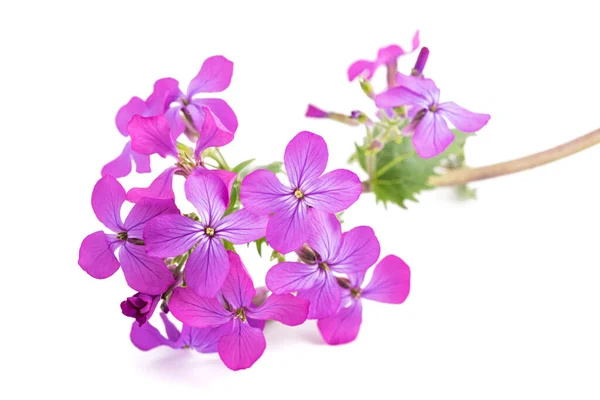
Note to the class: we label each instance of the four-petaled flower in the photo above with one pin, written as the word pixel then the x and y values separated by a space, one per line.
pixel 305 160
pixel 174 235
pixel 143 273
pixel 349 253
pixel 243 344
pixel 431 133
pixel 390 284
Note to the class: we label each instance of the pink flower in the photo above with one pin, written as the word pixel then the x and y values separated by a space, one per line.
pixel 350 253
pixel 143 273
pixel 431 133
pixel 140 306
pixel 385 56
pixel 305 160
pixel 243 344
pixel 174 235
pixel 390 284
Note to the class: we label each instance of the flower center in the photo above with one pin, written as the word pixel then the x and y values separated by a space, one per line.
pixel 324 266
pixel 433 108
pixel 185 101
pixel 122 235
pixel 209 231
pixel 355 292
pixel 241 314
pixel 298 193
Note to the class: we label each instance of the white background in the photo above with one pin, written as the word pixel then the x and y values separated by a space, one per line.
pixel 505 293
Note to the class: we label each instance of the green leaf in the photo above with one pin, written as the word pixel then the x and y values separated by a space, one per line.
pixel 259 244
pixel 228 245
pixel 238 168
pixel 234 199
pixel 400 174
pixel 275 167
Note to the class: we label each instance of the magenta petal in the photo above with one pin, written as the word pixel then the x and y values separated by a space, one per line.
pixel 464 120
pixel 238 288
pixel 212 134
pixel 325 298
pixel 197 311
pixel 389 54
pixel 204 340
pixel 287 277
pixel 289 228
pixel 326 234
pixel 147 337
pixel 171 330
pixel 151 135
pixel 160 188
pixel 120 166
pixel 222 110
pixel 390 282
pixel 173 116
pixel 171 235
pixel 97 255
pixel 416 43
pixel 145 210
pixel 209 195
pixel 432 136
pixel 243 347
pixel 166 91
pixel 207 267
pixel 285 308
pixel 135 106
pixel 315 112
pixel 262 193
pixel 343 326
pixel 335 191
pixel 361 67
pixel 401 96
pixel 142 272
pixel 305 158
pixel 142 162
pixel 214 76
pixel 107 198
pixel 360 249
pixel 242 227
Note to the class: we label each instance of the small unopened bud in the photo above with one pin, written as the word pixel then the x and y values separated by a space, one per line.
pixel 360 117
pixel 376 146
pixel 421 61
pixel 307 255
pixel 367 88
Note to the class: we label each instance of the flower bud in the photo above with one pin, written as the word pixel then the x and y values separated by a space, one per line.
pixel 421 61
pixel 307 255
pixel 140 306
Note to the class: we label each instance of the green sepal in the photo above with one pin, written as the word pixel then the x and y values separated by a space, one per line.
pixel 238 168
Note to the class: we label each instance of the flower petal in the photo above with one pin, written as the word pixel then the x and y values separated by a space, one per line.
pixel 142 162
pixel 343 326
pixel 315 112
pixel 209 195
pixel 120 166
pixel 160 188
pixel 262 193
pixel 207 267
pixel 171 235
pixel 222 110
pixel 197 311
pixel 416 43
pixel 361 67
pixel 147 337
pixel 287 277
pixel 289 228
pixel 135 106
pixel 389 54
pixel 401 96
pixel 214 76
pixel 243 347
pixel 97 255
pixel 326 234
pixel 238 288
pixel 212 134
pixel 390 282
pixel 325 297
pixel 166 91
pixel 171 330
pixel 107 198
pixel 432 136
pixel 142 272
pixel 145 210
pixel 173 116
pixel 359 250
pixel 305 158
pixel 242 227
pixel 204 340
pixel 151 135
pixel 335 191
pixel 285 308
pixel 463 119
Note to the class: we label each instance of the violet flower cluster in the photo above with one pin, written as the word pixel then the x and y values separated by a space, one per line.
pixel 186 259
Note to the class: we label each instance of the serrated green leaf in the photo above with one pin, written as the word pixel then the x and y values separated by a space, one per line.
pixel 238 168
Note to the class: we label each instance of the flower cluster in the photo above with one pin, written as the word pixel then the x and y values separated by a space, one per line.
pixel 187 261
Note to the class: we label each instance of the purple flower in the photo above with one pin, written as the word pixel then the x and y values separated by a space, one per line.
pixel 173 235
pixel 204 340
pixel 350 253
pixel 431 133
pixel 140 306
pixel 305 160
pixel 385 56
pixel 243 344
pixel 143 273
pixel 214 76
pixel 153 135
pixel 390 284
